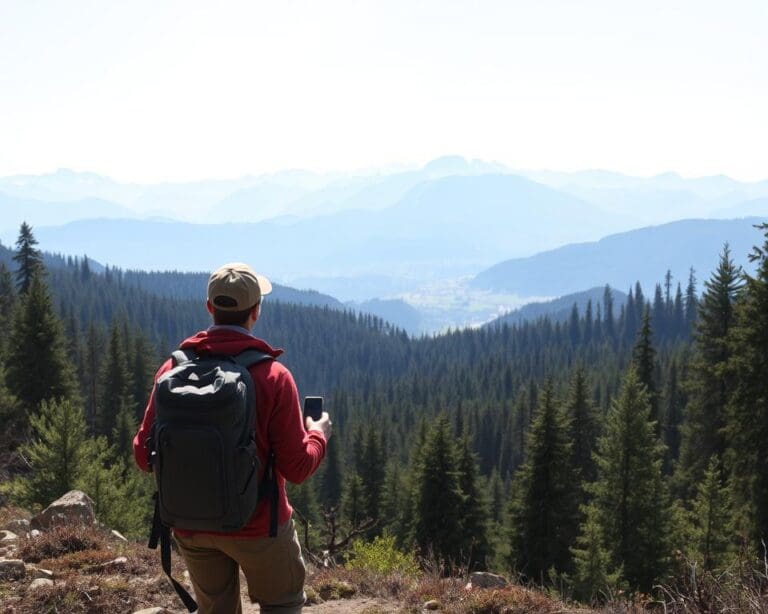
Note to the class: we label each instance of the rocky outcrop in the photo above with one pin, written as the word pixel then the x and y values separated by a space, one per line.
pixel 75 507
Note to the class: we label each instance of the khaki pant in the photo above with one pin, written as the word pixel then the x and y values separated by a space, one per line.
pixel 273 568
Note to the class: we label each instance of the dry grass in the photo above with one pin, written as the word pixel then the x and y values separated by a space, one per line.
pixel 8 513
pixel 81 583
pixel 451 593
pixel 59 541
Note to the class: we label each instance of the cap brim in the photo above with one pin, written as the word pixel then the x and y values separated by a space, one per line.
pixel 265 286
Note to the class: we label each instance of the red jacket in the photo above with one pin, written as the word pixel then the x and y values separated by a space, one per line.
pixel 279 422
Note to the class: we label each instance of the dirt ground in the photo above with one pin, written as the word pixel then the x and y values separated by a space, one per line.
pixel 337 606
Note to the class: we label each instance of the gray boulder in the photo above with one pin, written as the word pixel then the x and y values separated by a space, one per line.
pixel 40 583
pixel 75 507
pixel 483 579
pixel 8 537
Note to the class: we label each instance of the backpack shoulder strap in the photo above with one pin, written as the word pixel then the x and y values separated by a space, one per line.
pixel 181 356
pixel 249 358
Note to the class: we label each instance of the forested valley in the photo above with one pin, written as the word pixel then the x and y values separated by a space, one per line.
pixel 611 452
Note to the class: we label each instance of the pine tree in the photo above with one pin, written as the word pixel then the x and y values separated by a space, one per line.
pixel 7 296
pixel 55 453
pixel 595 578
pixel 38 367
pixel 644 361
pixel 474 510
pixel 709 384
pixel 437 523
pixel 710 528
pixel 116 385
pixel 609 325
pixel 28 258
pixel 303 497
pixel 142 364
pixel 121 500
pixel 371 472
pixel 392 499
pixel 330 484
pixel 629 501
pixel 673 409
pixel 691 300
pixel 585 426
pixel 544 514
pixel 353 500
pixel 747 422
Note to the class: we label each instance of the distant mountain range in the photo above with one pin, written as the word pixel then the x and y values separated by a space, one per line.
pixel 621 259
pixel 401 242
pixel 449 226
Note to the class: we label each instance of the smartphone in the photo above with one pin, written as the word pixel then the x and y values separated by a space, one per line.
pixel 313 407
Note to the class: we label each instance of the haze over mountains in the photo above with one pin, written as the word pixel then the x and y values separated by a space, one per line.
pixel 453 243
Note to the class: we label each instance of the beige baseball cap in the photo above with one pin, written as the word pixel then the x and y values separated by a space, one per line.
pixel 236 287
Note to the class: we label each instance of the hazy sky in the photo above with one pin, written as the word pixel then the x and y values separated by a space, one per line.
pixel 151 90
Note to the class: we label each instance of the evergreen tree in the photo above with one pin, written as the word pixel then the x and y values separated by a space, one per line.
pixel 608 323
pixel 392 499
pixel 474 510
pixel 28 258
pixel 709 384
pixel 91 373
pixel 644 361
pixel 142 363
pixel 121 500
pixel 747 423
pixel 38 367
pixel 55 453
pixel 330 485
pixel 691 300
pixel 371 472
pixel 116 385
pixel 7 295
pixel 544 515
pixel 710 527
pixel 353 500
pixel 437 522
pixel 303 497
pixel 595 578
pixel 629 501
pixel 584 426
pixel 673 409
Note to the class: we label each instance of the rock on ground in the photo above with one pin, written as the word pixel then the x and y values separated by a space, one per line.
pixel 40 583
pixel 483 579
pixel 75 507
pixel 8 537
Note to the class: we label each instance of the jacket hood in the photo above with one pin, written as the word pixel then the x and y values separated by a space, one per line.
pixel 228 342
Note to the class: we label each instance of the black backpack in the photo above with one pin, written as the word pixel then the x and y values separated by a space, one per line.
pixel 203 449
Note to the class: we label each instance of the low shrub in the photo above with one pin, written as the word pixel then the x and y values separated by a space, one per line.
pixel 381 556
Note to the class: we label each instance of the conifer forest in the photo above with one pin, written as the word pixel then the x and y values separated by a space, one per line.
pixel 614 451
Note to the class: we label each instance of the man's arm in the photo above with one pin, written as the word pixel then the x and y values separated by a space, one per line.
pixel 298 453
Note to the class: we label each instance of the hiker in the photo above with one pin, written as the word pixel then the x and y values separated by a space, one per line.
pixel 288 447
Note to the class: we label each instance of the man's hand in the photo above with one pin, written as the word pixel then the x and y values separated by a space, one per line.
pixel 323 425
